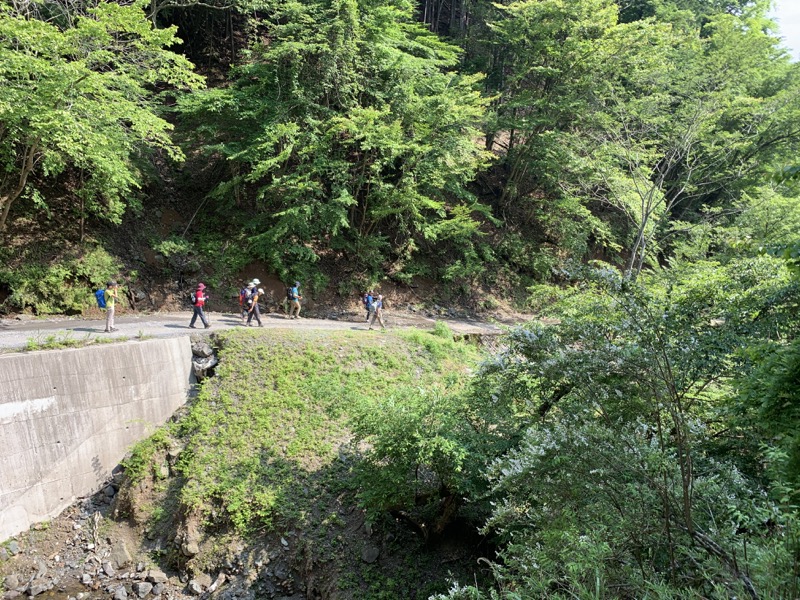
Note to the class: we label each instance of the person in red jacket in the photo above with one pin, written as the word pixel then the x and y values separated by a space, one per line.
pixel 199 298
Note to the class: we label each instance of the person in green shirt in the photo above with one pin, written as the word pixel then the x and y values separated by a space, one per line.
pixel 111 302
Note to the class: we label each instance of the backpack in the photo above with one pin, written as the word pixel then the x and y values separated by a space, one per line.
pixel 193 298
pixel 100 296
pixel 289 294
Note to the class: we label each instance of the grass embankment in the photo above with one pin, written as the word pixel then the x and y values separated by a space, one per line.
pixel 266 444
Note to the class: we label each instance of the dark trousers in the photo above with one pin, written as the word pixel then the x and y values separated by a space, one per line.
pixel 198 312
pixel 254 313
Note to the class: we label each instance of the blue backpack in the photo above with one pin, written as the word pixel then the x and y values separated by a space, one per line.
pixel 100 295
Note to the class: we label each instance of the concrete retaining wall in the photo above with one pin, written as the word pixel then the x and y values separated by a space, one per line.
pixel 67 417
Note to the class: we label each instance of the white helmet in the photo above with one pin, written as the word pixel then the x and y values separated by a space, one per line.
pixel 256 281
pixel 260 291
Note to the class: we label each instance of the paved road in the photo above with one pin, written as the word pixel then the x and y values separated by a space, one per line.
pixel 16 334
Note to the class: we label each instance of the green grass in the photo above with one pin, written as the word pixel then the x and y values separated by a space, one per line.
pixel 263 438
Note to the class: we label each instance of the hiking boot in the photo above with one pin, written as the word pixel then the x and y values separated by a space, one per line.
pixel 208 326
pixel 114 329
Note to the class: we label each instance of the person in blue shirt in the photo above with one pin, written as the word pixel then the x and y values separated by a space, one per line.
pixel 294 308
pixel 367 301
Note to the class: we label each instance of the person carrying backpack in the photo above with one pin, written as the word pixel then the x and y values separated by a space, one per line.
pixel 199 299
pixel 110 297
pixel 294 307
pixel 367 301
pixel 376 310
pixel 254 310
pixel 244 294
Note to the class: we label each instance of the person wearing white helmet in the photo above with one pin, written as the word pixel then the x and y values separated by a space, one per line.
pixel 254 309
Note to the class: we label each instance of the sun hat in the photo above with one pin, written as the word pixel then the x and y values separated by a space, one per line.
pixel 296 283
pixel 251 285
pixel 201 286
pixel 260 291
pixel 255 281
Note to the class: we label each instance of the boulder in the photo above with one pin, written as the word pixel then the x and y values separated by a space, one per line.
pixel 142 588
pixel 156 576
pixel 370 554
pixel 202 349
pixel 120 557
pixel 190 548
pixel 121 593
pixel 195 588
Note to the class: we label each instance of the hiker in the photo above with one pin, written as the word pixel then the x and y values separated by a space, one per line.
pixel 255 311
pixel 376 309
pixel 110 296
pixel 244 294
pixel 294 307
pixel 367 301
pixel 199 299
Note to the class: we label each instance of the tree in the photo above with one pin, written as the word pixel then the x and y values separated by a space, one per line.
pixel 79 94
pixel 618 482
pixel 352 134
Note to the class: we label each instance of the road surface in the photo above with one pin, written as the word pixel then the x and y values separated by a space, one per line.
pixel 16 334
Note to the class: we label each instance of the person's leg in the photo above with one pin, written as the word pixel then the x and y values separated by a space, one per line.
pixel 297 308
pixel 109 318
pixel 373 315
pixel 257 312
pixel 194 316
pixel 204 318
pixel 111 312
pixel 380 318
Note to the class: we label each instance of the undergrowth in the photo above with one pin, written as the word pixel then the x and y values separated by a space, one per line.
pixel 265 438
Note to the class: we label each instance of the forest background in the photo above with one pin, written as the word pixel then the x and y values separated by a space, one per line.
pixel 628 167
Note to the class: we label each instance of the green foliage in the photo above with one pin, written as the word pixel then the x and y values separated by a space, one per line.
pixel 618 465
pixel 65 284
pixel 356 138
pixel 80 96
pixel 264 435
pixel 139 461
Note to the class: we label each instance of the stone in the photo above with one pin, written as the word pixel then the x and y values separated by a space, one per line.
pixel 157 589
pixel 202 349
pixel 156 576
pixel 142 588
pixel 86 579
pixel 370 554
pixel 11 594
pixel 204 579
pixel 13 548
pixel 108 569
pixel 12 582
pixel 121 593
pixel 3 554
pixel 41 569
pixel 39 586
pixel 218 582
pixel 139 567
pixel 109 491
pixel 120 557
pixel 190 548
pixel 195 588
